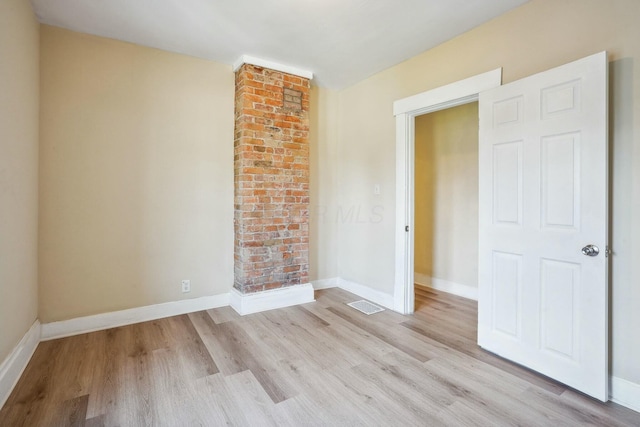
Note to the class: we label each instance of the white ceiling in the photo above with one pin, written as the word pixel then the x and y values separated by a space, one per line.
pixel 340 41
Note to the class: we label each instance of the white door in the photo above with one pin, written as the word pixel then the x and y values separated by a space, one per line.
pixel 543 198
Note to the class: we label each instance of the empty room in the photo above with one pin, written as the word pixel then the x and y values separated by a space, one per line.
pixel 319 213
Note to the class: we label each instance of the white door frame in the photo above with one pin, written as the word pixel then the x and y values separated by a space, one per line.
pixel 406 110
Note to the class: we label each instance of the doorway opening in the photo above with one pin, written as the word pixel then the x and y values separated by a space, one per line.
pixel 445 228
pixel 406 111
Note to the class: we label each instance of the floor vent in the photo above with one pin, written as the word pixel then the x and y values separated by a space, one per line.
pixel 366 307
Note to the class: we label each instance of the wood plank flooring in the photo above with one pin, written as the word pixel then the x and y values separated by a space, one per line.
pixel 318 364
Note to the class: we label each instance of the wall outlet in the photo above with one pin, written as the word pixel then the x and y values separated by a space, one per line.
pixel 186 286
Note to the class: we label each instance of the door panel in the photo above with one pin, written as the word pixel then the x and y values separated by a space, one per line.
pixel 507 283
pixel 543 197
pixel 560 165
pixel 560 289
pixel 507 179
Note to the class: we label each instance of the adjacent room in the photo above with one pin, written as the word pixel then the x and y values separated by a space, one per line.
pixel 192 193
pixel 446 201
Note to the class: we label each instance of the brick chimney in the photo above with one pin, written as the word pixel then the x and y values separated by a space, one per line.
pixel 271 169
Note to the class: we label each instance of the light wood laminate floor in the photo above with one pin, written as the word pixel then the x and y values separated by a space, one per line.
pixel 322 363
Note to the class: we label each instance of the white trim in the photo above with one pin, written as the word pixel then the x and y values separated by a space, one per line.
pixel 265 63
pixel 403 299
pixel 325 283
pixel 625 393
pixel 406 110
pixel 453 288
pixel 270 300
pixel 81 325
pixel 366 292
pixel 15 363
pixel 449 94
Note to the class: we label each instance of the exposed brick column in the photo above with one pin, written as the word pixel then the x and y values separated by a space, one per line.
pixel 271 179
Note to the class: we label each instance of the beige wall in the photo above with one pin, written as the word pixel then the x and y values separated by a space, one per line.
pixel 323 140
pixel 18 172
pixel 534 37
pixel 446 195
pixel 136 176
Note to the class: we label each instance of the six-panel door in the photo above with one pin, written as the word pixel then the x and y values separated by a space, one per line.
pixel 543 197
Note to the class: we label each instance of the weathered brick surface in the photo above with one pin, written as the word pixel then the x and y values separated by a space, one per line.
pixel 271 179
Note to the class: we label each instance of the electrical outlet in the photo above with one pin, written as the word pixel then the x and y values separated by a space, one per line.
pixel 186 286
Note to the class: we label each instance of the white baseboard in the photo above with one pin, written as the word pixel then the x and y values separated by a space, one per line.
pixel 325 283
pixel 269 300
pixel 385 300
pixel 454 288
pixel 15 363
pixel 81 325
pixel 625 393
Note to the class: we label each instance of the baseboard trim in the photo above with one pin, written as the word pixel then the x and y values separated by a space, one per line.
pixel 363 291
pixel 15 363
pixel 625 393
pixel 269 300
pixel 454 288
pixel 81 325
pixel 325 283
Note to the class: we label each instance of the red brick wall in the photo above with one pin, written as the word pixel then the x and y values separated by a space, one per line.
pixel 271 179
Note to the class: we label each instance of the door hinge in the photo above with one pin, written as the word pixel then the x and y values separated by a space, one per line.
pixel 406 228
